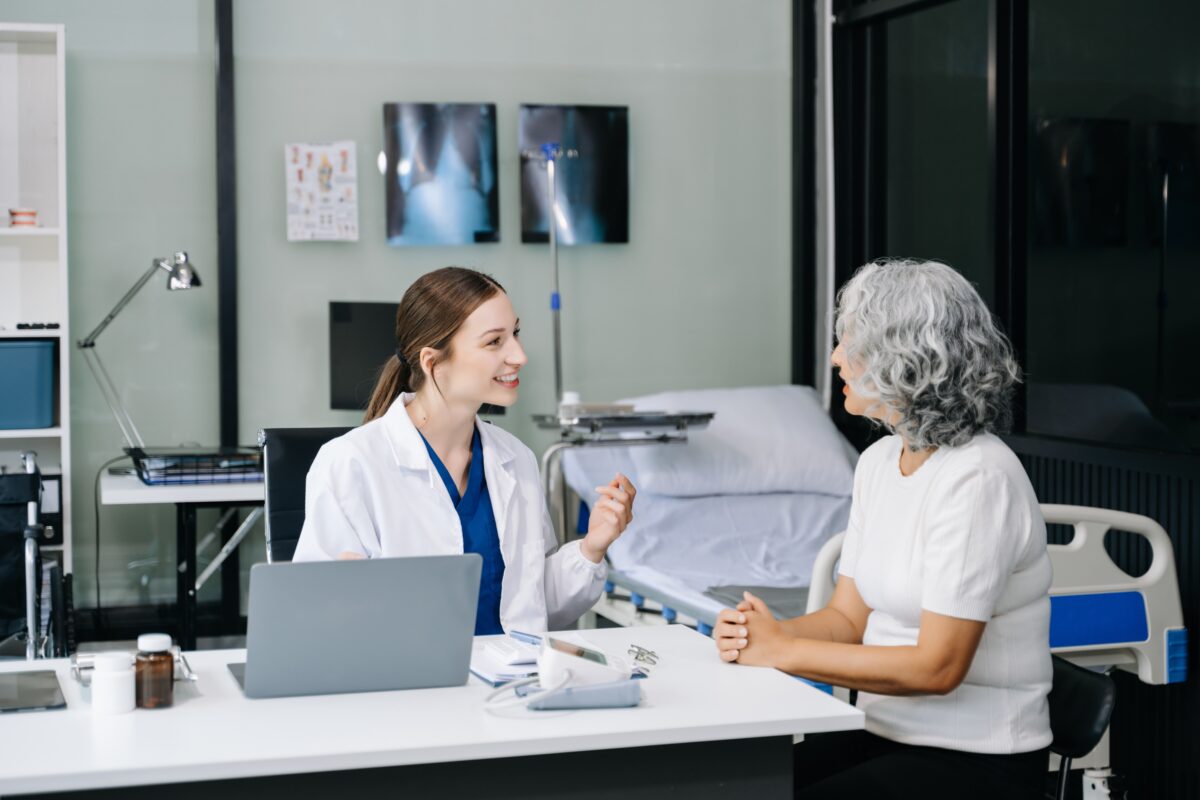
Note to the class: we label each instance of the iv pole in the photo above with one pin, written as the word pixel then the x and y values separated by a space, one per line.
pixel 549 154
pixel 598 428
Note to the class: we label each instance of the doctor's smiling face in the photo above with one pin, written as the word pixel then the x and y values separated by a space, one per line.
pixel 486 357
pixel 456 346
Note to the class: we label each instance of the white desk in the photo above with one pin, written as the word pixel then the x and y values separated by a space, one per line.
pixel 125 490
pixel 129 490
pixel 746 715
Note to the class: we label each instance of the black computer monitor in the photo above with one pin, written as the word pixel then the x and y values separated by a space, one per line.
pixel 362 337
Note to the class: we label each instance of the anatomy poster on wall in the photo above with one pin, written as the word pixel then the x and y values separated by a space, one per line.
pixel 322 192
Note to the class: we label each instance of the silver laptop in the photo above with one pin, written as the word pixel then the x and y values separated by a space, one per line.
pixel 326 627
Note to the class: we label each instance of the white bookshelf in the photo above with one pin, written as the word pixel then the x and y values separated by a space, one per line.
pixel 22 232
pixel 33 261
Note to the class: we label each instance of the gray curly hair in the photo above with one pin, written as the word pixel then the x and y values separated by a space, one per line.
pixel 927 350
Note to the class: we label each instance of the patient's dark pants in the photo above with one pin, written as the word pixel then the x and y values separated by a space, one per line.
pixel 857 764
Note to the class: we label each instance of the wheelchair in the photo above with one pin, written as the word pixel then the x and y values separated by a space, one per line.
pixel 34 594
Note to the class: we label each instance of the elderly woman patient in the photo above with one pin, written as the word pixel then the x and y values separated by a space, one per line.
pixel 941 617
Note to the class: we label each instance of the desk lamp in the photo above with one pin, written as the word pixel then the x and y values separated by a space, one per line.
pixel 180 275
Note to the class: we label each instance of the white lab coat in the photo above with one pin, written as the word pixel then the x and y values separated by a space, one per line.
pixel 375 491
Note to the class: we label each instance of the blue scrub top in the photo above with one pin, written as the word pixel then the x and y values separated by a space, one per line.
pixel 479 533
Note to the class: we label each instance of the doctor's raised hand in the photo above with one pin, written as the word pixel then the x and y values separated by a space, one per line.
pixel 609 517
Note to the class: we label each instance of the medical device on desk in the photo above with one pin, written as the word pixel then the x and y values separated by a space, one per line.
pixel 566 662
pixel 572 676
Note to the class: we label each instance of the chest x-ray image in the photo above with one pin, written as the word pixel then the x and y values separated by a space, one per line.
pixel 592 180
pixel 440 173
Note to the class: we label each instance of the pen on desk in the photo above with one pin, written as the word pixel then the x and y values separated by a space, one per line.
pixel 527 638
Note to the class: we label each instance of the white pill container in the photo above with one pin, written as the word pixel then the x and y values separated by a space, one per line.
pixel 112 683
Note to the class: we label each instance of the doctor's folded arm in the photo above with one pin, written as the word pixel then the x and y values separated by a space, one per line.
pixel 424 475
pixel 940 617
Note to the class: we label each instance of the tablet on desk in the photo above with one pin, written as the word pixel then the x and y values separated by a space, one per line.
pixel 30 691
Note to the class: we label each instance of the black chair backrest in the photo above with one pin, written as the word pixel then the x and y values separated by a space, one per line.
pixel 17 491
pixel 1081 704
pixel 287 455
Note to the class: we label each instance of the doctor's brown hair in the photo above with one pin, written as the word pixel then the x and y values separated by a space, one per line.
pixel 431 312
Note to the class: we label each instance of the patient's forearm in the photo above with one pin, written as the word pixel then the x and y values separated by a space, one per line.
pixel 904 670
pixel 827 625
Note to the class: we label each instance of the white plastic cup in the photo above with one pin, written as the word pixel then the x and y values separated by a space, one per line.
pixel 112 683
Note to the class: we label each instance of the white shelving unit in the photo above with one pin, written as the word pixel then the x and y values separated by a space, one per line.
pixel 33 261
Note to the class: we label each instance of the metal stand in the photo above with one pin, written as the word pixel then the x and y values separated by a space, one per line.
pixel 187 583
pixel 606 430
pixel 549 154
pixel 589 429
pixel 555 296
pixel 33 532
pixel 230 547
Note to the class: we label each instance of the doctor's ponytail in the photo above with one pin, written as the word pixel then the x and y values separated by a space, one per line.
pixel 431 312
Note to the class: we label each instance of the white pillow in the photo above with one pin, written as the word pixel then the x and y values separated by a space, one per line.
pixel 762 439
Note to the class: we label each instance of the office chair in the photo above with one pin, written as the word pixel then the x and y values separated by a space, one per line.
pixel 1081 704
pixel 287 455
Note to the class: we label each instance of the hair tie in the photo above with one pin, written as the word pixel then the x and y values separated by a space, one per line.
pixel 400 357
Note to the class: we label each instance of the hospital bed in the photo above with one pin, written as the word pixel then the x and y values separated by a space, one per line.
pixel 759 500
pixel 1100 615
pixel 746 503
pixel 705 520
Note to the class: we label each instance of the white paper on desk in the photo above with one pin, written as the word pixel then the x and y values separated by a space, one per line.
pixel 516 652
pixel 489 669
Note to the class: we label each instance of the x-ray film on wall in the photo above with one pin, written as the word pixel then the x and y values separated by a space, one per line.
pixel 439 170
pixel 592 172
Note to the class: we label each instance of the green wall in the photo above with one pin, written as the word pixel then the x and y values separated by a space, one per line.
pixel 700 296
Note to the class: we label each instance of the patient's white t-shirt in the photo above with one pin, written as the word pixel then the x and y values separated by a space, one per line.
pixel 963 536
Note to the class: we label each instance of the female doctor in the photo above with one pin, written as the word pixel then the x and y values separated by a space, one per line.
pixel 425 476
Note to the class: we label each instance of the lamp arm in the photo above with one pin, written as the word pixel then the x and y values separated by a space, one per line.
pixel 128 430
pixel 90 340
